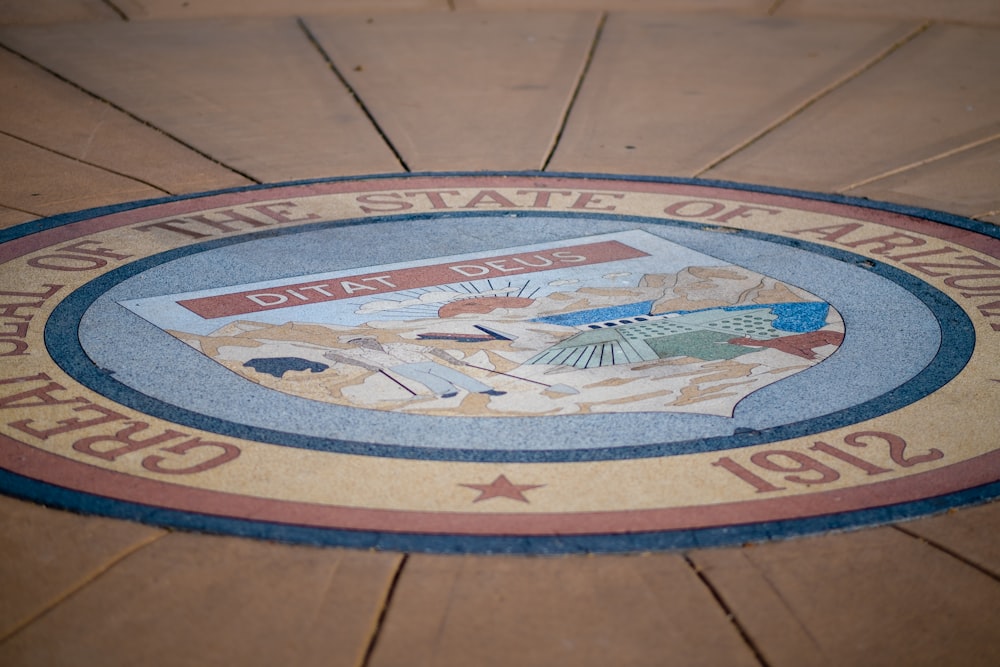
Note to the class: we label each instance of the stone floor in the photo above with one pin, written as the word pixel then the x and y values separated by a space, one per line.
pixel 118 100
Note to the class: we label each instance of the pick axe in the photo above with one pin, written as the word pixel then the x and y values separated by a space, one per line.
pixel 558 388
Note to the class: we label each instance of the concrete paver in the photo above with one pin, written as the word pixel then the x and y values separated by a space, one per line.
pixel 44 183
pixel 14 12
pixel 638 610
pixel 170 9
pixel 650 69
pixel 10 217
pixel 190 599
pixel 463 90
pixel 253 94
pixel 974 11
pixel 750 6
pixel 971 533
pixel 869 598
pixel 54 114
pixel 48 554
pixel 933 95
pixel 966 183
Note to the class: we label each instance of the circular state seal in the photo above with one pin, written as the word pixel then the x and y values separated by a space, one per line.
pixel 513 362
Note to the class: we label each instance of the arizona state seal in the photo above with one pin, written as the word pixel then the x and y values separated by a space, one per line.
pixel 502 362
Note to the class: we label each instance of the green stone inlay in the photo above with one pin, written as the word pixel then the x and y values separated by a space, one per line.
pixel 705 345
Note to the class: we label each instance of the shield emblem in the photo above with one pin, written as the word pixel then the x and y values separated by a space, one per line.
pixel 621 322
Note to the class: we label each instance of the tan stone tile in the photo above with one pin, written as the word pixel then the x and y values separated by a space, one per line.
pixel 933 95
pixel 672 94
pixel 966 183
pixel 755 6
pixel 48 554
pixel 483 611
pixel 199 600
pixel 10 217
pixel 464 90
pixel 875 597
pixel 44 110
pixel 970 533
pixel 251 93
pixel 986 11
pixel 41 182
pixel 157 9
pixel 50 11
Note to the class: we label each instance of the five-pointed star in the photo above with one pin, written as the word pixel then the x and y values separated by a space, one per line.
pixel 502 487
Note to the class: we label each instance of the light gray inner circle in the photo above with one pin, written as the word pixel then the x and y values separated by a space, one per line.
pixel 890 336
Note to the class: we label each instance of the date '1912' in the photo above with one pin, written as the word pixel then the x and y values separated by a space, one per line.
pixel 800 468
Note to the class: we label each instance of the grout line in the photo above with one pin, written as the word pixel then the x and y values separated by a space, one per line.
pixel 131 115
pixel 775 6
pixel 84 583
pixel 920 163
pixel 116 9
pixel 885 53
pixel 350 89
pixel 23 210
pixel 81 161
pixel 967 23
pixel 380 621
pixel 726 609
pixel 576 89
pixel 951 552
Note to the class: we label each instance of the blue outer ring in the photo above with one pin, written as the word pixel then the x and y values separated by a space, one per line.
pixel 957 343
pixel 55 496
pixel 699 538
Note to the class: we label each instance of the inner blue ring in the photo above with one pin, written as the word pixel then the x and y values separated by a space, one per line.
pixel 957 344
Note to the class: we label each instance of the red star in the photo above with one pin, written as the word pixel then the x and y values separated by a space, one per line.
pixel 502 487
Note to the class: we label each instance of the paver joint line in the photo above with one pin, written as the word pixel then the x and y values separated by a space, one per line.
pixel 116 9
pixel 729 613
pixel 87 162
pixel 791 610
pixel 920 163
pixel 40 215
pixel 576 89
pixel 353 93
pixel 850 76
pixel 954 554
pixel 386 603
pixel 84 583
